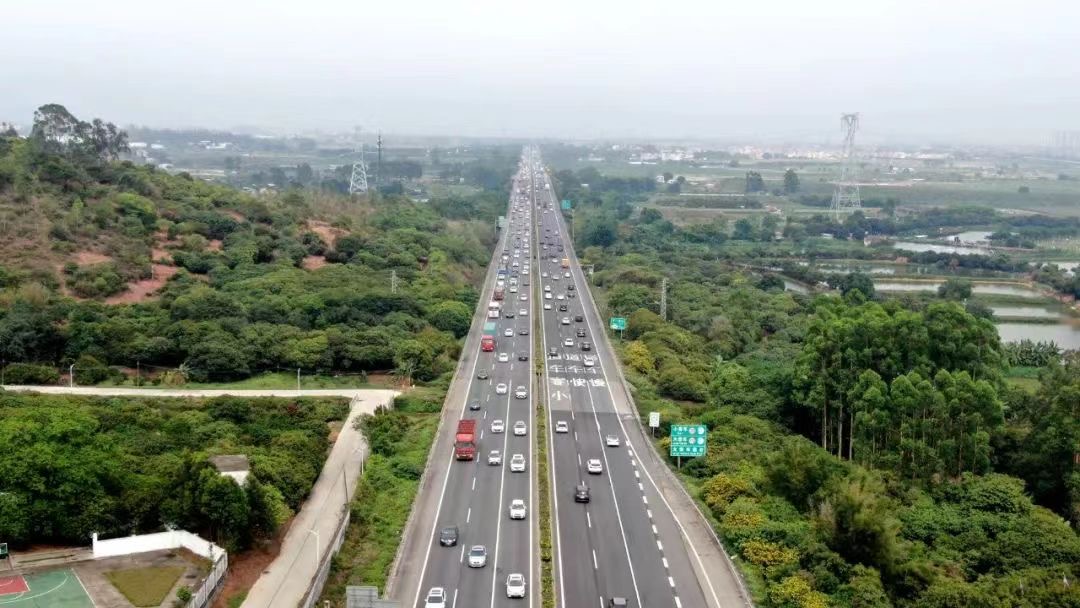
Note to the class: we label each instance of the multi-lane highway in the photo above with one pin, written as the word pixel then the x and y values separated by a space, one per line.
pixel 623 528
pixel 475 496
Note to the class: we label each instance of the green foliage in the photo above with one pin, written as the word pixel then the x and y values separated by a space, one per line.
pixel 125 466
pixel 28 373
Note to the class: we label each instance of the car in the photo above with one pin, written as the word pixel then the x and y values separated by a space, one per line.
pixel 523 298
pixel 594 466
pixel 477 556
pixel 482 375
pixel 524 331
pixel 562 308
pixel 547 306
pixel 579 318
pixel 504 357
pixel 566 275
pixel 513 289
pixel 517 463
pixel 544 275
pixel 611 441
pixel 580 332
pixel 520 428
pixel 568 342
pixel 571 294
pixel 553 352
pixel 570 287
pixel 497 426
pixel 436 598
pixel 546 287
pixel 588 361
pixel 501 388
pixel 581 493
pixel 494 458
pixel 562 426
pixel 474 406
pixel 509 332
pixel 509 314
pixel 547 296
pixel 521 393
pixel 586 346
pixel 517 509
pixel 523 356
pixel 448 536
pixel 566 320
pixel 560 297
pixel 524 312
pixel 515 585
pixel 617 602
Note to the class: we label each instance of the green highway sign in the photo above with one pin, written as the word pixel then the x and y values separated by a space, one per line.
pixel 618 323
pixel 566 204
pixel 688 439
pixel 3 550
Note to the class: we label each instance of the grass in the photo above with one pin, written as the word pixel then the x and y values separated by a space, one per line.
pixel 547 579
pixel 145 586
pixel 236 600
pixel 270 381
pixel 380 510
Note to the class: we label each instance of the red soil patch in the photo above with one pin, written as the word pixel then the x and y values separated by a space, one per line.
pixel 326 231
pixel 236 215
pixel 245 568
pixel 313 262
pixel 160 256
pixel 215 245
pixel 141 291
pixel 87 258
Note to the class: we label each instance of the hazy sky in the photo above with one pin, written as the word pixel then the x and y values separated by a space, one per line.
pixel 917 71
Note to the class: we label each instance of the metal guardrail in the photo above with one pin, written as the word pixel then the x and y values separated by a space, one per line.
pixel 212 584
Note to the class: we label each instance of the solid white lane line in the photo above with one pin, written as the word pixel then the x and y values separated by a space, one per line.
pixel 455 598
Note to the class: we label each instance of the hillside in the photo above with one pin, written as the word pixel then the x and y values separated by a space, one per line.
pixel 107 264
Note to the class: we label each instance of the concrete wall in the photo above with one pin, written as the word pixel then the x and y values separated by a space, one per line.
pixel 171 539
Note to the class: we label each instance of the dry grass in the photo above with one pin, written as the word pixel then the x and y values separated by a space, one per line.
pixel 145 586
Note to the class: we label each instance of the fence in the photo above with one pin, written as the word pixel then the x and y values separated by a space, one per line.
pixel 323 572
pixel 172 539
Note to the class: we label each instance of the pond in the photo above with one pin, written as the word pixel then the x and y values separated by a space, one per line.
pixel 971 236
pixel 1005 289
pixel 1030 312
pixel 1065 335
pixel 790 285
pixel 921 247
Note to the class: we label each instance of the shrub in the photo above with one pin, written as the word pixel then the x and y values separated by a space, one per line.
pixel 29 373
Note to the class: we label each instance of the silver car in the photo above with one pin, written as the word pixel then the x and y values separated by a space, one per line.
pixel 515 585
pixel 517 463
pixel 477 556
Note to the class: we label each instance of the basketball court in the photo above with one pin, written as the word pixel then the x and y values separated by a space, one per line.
pixel 53 589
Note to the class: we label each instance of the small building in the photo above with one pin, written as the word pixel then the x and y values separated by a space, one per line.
pixel 232 465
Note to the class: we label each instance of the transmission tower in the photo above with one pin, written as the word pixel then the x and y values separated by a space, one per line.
pixel 358 183
pixel 378 164
pixel 663 298
pixel 846 195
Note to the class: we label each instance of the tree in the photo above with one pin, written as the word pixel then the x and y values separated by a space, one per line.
pixel 451 316
pixel 857 281
pixel 224 506
pixel 754 182
pixel 599 231
pixel 955 289
pixel 791 182
pixel 304 174
pixel 744 230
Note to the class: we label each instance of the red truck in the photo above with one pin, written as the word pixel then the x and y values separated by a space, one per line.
pixel 498 293
pixel 487 343
pixel 465 440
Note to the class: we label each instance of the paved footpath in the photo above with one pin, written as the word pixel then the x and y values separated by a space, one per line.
pixel 307 541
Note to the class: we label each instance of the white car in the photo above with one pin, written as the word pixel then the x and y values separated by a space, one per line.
pixel 594 466
pixel 494 458
pixel 436 597
pixel 568 342
pixel 562 426
pixel 513 289
pixel 517 509
pixel 566 320
pixel 544 275
pixel 546 287
pixel 521 393
pixel 547 306
pixel 589 361
pixel 477 556
pixel 560 297
pixel 524 298
pixel 547 295
pixel 515 585
pixel 566 275
pixel 504 357
pixel 520 429
pixel 497 426
pixel 524 312
pixel 612 441
pixel 508 332
pixel 500 389
pixel 517 463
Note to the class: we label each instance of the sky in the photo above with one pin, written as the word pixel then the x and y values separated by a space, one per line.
pixel 770 70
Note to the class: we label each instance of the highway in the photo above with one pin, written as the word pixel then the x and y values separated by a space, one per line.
pixel 639 536
pixel 474 495
pixel 626 542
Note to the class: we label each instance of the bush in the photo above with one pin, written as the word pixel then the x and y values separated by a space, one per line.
pixel 29 373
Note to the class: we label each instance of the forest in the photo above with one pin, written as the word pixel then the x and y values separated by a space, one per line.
pixel 863 452
pixel 237 284
pixel 117 466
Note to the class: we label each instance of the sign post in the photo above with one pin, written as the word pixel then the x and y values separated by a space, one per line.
pixel 688 440
pixel 618 324
pixel 654 422
pixel 3 551
pixel 566 205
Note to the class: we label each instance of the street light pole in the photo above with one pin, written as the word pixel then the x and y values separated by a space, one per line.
pixel 318 552
pixel 71 375
pixel 298 379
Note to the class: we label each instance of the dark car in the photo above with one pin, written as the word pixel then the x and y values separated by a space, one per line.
pixel 586 346
pixel 581 494
pixel 580 332
pixel 570 287
pixel 474 406
pixel 562 307
pixel 571 294
pixel 482 375
pixel 524 331
pixel 579 318
pixel 523 356
pixel 448 536
pixel 509 314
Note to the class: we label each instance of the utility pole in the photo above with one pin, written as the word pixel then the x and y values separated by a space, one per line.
pixel 393 281
pixel 71 375
pixel 846 195
pixel 378 164
pixel 298 379
pixel 358 182
pixel 663 298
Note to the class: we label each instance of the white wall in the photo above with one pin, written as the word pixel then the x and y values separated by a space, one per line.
pixel 172 539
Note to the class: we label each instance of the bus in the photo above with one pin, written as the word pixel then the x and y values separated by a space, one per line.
pixel 566 262
pixel 487 343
